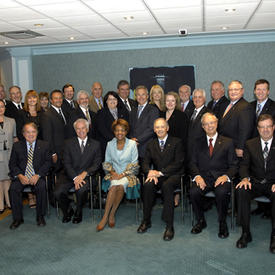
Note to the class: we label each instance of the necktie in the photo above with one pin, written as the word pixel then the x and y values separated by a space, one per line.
pixel 19 107
pixel 99 104
pixel 29 168
pixel 61 115
pixel 227 109
pixel 194 115
pixel 72 104
pixel 126 105
pixel 258 110
pixel 161 145
pixel 82 147
pixel 265 154
pixel 88 116
pixel 140 107
pixel 211 148
pixel 182 107
pixel 214 104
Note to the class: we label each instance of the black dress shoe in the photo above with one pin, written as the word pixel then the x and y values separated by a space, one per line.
pixel 244 240
pixel 77 218
pixel 169 233
pixel 223 230
pixel 197 228
pixel 41 221
pixel 272 244
pixel 143 227
pixel 67 218
pixel 16 223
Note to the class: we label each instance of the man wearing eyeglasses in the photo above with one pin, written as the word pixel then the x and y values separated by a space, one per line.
pixel 237 120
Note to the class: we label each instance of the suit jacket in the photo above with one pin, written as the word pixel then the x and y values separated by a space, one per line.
pixel 252 164
pixel 222 162
pixel 12 110
pixel 268 108
pixel 169 161
pixel 76 114
pixel 54 130
pixel 103 125
pixel 142 128
pixel 238 123
pixel 220 106
pixel 189 109
pixel 67 108
pixel 93 105
pixel 76 162
pixel 121 105
pixel 19 158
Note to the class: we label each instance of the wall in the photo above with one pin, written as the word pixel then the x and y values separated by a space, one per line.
pixel 5 69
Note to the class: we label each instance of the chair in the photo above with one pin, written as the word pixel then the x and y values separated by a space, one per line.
pixel 211 194
pixel 263 199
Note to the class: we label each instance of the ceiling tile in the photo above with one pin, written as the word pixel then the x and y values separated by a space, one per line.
pixel 19 14
pixel 164 4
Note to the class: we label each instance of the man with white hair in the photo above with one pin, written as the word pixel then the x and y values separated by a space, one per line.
pixel 187 105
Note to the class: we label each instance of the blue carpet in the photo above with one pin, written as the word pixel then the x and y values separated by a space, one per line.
pixel 78 249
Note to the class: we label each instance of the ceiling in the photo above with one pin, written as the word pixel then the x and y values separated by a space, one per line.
pixel 67 21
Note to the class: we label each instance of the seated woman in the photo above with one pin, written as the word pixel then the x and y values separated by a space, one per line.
pixel 121 166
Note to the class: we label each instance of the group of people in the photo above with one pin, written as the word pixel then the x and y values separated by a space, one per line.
pixel 165 137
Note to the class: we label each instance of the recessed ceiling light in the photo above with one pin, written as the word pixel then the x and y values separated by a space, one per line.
pixel 71 38
pixel 128 17
pixel 6 42
pixel 145 33
pixel 229 10
pixel 224 28
pixel 38 25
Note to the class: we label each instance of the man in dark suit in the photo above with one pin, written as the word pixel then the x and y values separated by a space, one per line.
pixel 29 164
pixel 213 163
pixel 187 105
pixel 219 101
pixel 15 104
pixel 68 104
pixel 82 158
pixel 237 120
pixel 258 177
pixel 82 111
pixel 166 155
pixel 142 120
pixel 96 100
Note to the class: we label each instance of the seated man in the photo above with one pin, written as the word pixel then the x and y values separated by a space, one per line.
pixel 82 158
pixel 29 164
pixel 257 171
pixel 166 155
pixel 213 163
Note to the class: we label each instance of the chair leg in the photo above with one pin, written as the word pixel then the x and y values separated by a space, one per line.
pixel 100 196
pixel 232 207
pixel 91 198
pixel 182 203
pixel 48 200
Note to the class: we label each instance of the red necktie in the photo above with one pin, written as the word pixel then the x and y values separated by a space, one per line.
pixel 211 148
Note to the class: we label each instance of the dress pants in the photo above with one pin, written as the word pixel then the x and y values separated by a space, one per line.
pixel 244 198
pixel 222 195
pixel 16 190
pixel 167 186
pixel 61 193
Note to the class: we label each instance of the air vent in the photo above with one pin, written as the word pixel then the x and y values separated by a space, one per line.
pixel 21 34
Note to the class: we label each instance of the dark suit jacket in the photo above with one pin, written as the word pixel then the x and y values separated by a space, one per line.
pixel 11 110
pixel 41 158
pixel 222 162
pixel 103 125
pixel 252 164
pixel 75 162
pixel 54 130
pixel 76 114
pixel 269 108
pixel 189 109
pixel 142 128
pixel 238 123
pixel 66 107
pixel 121 105
pixel 169 161
pixel 220 106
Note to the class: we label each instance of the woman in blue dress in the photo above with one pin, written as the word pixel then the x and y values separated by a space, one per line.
pixel 121 166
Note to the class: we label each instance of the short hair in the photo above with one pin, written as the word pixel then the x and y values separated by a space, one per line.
pixel 55 91
pixel 139 87
pixel 208 114
pixel 15 86
pixel 163 119
pixel 156 88
pixel 120 122
pixel 98 83
pixel 31 93
pixel 82 120
pixel 67 86
pixel 81 92
pixel 114 94
pixel 43 94
pixel 265 117
pixel 32 124
pixel 187 86
pixel 201 91
pixel 236 81
pixel 122 83
pixel 1 100
pixel 261 81
pixel 1 85
pixel 218 82
pixel 177 98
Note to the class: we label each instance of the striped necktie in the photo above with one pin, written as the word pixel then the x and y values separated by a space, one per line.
pixel 29 168
pixel 265 154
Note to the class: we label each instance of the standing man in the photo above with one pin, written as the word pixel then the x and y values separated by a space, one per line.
pixel 3 94
pixel 165 154
pixel 187 105
pixel 82 158
pixel 68 104
pixel 237 120
pixel 96 100
pixel 219 101
pixel 15 104
pixel 142 120
pixel 213 163
pixel 29 164
pixel 258 177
